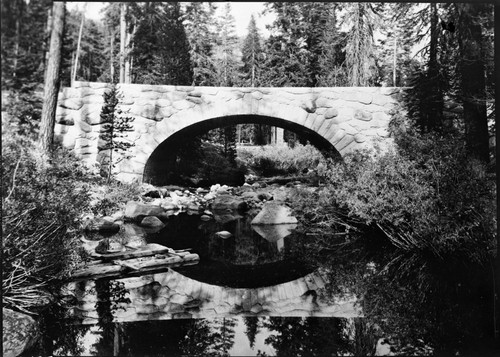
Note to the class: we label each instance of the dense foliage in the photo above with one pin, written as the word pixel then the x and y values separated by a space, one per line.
pixel 41 204
pixel 428 211
pixel 280 159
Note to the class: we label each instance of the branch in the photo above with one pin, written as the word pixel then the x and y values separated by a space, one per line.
pixel 13 180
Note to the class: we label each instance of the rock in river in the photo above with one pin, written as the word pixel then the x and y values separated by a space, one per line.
pixel 224 234
pixel 136 211
pixel 100 225
pixel 152 221
pixel 224 201
pixel 273 213
pixel 20 332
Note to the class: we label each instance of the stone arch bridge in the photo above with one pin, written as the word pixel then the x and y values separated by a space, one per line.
pixel 340 119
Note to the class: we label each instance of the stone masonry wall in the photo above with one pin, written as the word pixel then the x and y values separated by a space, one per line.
pixel 349 118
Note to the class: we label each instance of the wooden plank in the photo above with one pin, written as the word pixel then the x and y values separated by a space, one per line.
pixel 97 270
pixel 127 264
pixel 144 251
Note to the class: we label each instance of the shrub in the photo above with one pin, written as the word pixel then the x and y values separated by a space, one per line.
pixel 426 194
pixel 25 110
pixel 40 204
pixel 280 159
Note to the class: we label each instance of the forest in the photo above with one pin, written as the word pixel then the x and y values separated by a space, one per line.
pixel 428 206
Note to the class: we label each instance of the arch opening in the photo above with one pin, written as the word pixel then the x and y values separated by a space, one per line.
pixel 156 170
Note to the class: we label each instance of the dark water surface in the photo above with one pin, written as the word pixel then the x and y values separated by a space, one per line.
pixel 257 292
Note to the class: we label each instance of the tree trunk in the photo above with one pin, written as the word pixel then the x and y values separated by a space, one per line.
pixel 394 60
pixel 435 120
pixel 48 30
pixel 122 42
pixel 75 69
pixel 52 80
pixel 473 81
pixel 111 60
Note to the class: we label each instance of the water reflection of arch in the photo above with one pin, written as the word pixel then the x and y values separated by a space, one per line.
pixel 157 164
pixel 171 295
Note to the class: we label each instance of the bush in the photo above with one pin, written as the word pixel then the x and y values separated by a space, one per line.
pixel 25 110
pixel 427 194
pixel 41 202
pixel 280 159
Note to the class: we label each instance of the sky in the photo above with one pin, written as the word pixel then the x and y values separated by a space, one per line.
pixel 241 12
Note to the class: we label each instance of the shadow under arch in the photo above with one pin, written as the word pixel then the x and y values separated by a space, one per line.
pixel 157 164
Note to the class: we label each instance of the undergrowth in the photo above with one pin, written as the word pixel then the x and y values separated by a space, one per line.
pixel 276 160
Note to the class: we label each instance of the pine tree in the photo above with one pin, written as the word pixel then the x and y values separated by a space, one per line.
pixel 360 50
pixel 161 48
pixel 287 58
pixel 25 41
pixel 395 47
pixel 252 56
pixel 472 72
pixel 226 62
pixel 199 24
pixel 115 124
pixel 331 57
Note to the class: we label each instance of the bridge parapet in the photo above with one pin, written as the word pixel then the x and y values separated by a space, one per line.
pixel 347 118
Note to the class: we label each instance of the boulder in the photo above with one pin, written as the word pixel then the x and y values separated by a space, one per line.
pixel 20 332
pixel 224 234
pixel 274 213
pixel 100 225
pixel 265 196
pixel 226 216
pixel 223 202
pixel 152 221
pixel 250 196
pixel 274 232
pixel 136 211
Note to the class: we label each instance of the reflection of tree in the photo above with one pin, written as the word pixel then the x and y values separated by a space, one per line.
pixel 60 335
pixel 252 328
pixel 197 341
pixel 223 336
pixel 209 338
pixel 311 336
pixel 157 338
pixel 411 296
pixel 109 295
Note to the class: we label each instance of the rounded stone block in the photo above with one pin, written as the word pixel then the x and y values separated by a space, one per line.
pixel 363 115
pixel 324 102
pixel 83 126
pixel 331 113
pixel 66 120
pixel 349 129
pixel 182 104
pixel 71 103
pixel 381 116
pixel 359 138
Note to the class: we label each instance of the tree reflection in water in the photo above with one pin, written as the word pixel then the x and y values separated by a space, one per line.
pixel 418 301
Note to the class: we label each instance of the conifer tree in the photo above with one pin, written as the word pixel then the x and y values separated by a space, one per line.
pixel 226 62
pixel 161 48
pixel 252 56
pixel 331 56
pixel 115 124
pixel 360 49
pixel 199 24
pixel 287 58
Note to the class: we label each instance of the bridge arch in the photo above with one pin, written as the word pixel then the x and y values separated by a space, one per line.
pixel 157 164
pixel 345 119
